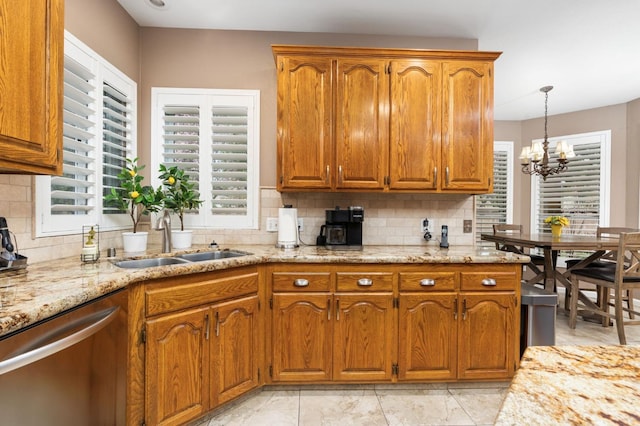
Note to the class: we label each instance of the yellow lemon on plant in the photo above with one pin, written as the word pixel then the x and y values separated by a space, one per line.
pixel 132 173
pixel 134 194
pixel 171 180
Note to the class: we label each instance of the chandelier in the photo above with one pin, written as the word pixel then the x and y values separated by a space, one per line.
pixel 535 158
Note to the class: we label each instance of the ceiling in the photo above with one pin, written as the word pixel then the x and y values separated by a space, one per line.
pixel 587 49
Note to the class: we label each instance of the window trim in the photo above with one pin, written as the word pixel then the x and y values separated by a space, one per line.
pixel 206 219
pixel 48 225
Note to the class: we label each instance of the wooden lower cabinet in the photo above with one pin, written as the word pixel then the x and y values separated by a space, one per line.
pixel 363 337
pixel 176 367
pixel 427 337
pixel 487 336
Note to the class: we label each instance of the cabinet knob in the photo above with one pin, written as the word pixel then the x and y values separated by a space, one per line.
pixel 489 282
pixel 301 282
pixel 365 282
pixel 427 282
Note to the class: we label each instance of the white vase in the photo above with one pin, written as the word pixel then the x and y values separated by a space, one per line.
pixel 134 242
pixel 181 239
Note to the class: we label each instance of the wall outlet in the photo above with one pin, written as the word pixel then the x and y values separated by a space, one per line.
pixel 300 224
pixel 272 224
pixel 467 226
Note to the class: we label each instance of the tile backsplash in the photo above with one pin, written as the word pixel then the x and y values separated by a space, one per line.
pixel 390 219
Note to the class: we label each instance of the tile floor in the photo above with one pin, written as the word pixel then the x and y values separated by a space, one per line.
pixel 394 405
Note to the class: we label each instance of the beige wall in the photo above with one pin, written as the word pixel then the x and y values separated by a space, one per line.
pixel 633 164
pixel 612 118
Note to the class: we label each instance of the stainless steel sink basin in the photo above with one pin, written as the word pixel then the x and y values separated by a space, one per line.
pixel 211 255
pixel 148 263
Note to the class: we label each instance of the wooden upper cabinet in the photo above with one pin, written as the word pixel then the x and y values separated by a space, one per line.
pixel 31 67
pixel 366 119
pixel 305 149
pixel 414 121
pixel 362 98
pixel 467 126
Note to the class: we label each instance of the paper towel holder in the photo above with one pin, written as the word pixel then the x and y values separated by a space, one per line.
pixel 287 227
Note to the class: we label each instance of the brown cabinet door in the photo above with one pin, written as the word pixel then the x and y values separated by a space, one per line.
pixel 301 337
pixel 235 350
pixel 361 123
pixel 305 149
pixel 427 337
pixel 414 140
pixel 467 126
pixel 364 332
pixel 177 367
pixel 487 335
pixel 31 53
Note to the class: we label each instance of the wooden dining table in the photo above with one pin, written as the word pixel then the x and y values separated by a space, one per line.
pixel 551 245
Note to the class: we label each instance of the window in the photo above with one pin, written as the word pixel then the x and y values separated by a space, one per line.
pixel 497 207
pixel 214 136
pixel 99 129
pixel 581 192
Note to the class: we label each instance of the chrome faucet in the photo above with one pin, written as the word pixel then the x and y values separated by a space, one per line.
pixel 164 224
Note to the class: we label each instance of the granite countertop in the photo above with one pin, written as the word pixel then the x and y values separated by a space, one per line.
pixel 569 385
pixel 47 288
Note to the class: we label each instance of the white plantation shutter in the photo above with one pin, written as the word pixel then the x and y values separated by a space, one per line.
pixel 581 193
pixel 214 136
pixel 498 206
pixel 98 134
pixel 116 138
pixel 229 158
pixel 73 193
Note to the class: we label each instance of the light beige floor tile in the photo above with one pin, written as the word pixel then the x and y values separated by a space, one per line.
pixel 340 408
pixel 482 405
pixel 437 407
pixel 268 408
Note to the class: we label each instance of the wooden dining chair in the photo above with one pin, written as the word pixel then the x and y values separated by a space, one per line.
pixel 624 277
pixel 537 262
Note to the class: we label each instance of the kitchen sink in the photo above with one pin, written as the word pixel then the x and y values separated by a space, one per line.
pixel 148 263
pixel 211 255
pixel 181 259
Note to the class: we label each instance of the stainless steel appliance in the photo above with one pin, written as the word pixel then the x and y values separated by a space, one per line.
pixel 68 370
pixel 10 260
pixel 342 229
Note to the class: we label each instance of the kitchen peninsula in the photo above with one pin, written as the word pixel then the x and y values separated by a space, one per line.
pixel 303 315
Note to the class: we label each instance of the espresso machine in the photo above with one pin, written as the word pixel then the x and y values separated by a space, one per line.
pixel 9 258
pixel 342 229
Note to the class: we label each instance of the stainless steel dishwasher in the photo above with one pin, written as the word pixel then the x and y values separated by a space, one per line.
pixel 68 370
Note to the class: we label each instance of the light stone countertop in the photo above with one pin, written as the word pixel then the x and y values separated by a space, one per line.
pixel 45 289
pixel 575 385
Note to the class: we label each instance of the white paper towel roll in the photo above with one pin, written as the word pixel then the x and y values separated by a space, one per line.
pixel 287 228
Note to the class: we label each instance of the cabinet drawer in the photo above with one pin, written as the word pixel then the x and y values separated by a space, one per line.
pixel 428 281
pixel 363 281
pixel 167 298
pixel 301 281
pixel 488 281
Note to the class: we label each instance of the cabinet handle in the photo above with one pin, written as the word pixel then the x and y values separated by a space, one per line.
pixel 489 282
pixel 435 177
pixel 446 176
pixel 464 309
pixel 327 173
pixel 217 324
pixel 365 282
pixel 301 282
pixel 338 310
pixel 206 327
pixel 427 282
pixel 455 308
pixel 340 173
pixel 329 309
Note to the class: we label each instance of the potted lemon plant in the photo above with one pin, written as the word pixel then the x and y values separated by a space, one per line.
pixel 135 199
pixel 180 196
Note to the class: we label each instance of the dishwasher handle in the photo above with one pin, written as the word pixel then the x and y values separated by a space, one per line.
pixel 36 350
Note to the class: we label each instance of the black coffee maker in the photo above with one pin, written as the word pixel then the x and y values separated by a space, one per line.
pixel 343 229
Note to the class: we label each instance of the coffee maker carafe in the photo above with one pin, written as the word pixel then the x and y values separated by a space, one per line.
pixel 342 229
